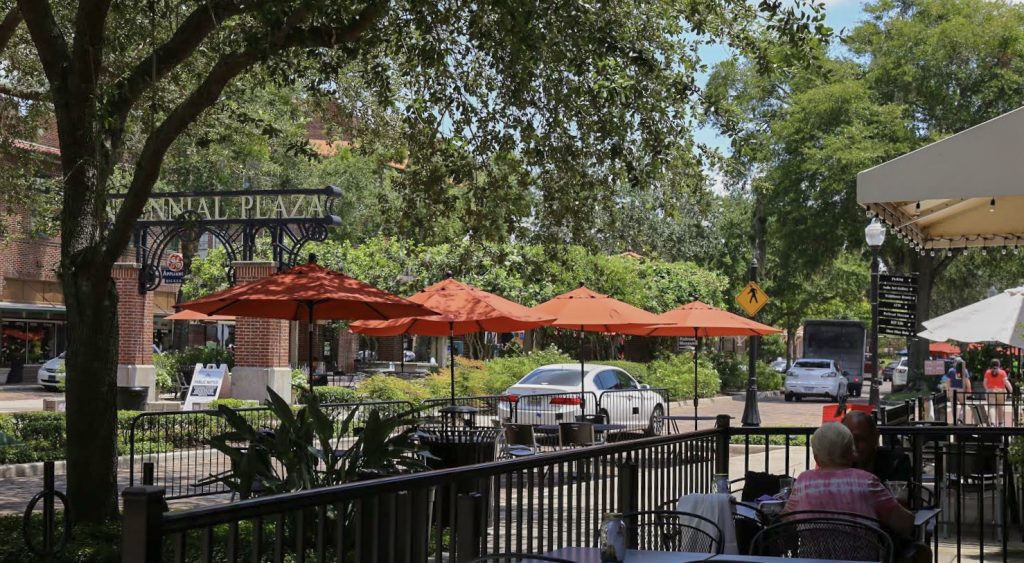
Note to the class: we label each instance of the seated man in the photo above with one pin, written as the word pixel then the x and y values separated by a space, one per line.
pixel 887 464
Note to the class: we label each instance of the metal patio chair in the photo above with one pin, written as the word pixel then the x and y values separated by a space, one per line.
pixel 824 538
pixel 670 530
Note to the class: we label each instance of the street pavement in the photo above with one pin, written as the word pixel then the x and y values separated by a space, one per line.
pixel 24 398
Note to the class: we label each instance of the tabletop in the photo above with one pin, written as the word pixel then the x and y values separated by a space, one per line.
pixel 923 515
pixel 552 428
pixel 593 555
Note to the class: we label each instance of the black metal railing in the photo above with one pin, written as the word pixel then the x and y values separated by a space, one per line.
pixel 535 504
pixel 177 442
pixel 967 472
pixel 553 500
pixel 986 408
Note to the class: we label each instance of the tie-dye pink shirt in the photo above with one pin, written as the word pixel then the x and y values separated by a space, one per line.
pixel 845 490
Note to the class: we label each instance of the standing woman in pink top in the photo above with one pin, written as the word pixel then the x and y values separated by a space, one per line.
pixel 998 383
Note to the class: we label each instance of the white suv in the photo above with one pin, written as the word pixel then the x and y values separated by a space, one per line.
pixel 810 377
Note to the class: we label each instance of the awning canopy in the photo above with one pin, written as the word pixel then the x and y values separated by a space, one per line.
pixel 966 190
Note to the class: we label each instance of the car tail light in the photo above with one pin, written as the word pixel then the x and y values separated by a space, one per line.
pixel 566 401
pixel 510 398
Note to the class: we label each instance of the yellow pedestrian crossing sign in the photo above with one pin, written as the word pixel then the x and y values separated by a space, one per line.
pixel 752 298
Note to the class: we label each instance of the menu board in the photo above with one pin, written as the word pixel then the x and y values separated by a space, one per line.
pixel 897 305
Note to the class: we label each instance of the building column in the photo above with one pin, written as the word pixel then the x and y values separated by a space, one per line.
pixel 135 331
pixel 348 347
pixel 261 346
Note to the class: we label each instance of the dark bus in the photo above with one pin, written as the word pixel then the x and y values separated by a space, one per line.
pixel 842 341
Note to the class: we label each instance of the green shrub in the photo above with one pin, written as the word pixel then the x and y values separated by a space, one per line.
pixel 166 372
pixel 390 388
pixel 43 427
pixel 501 373
pixel 731 370
pixel 232 403
pixel 676 374
pixel 328 394
pixel 768 379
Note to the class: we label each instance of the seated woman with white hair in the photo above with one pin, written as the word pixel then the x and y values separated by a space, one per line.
pixel 837 485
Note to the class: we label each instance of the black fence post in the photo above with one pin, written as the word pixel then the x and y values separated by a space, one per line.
pixel 141 527
pixel 48 509
pixel 628 495
pixel 147 473
pixel 722 447
pixel 468 535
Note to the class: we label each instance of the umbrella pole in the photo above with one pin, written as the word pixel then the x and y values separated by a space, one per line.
pixel 309 340
pixel 451 357
pixel 583 375
pixel 696 350
pixel 402 369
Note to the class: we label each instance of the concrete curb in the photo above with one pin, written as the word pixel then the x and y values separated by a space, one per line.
pixel 35 469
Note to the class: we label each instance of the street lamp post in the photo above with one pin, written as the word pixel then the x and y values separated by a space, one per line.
pixel 751 413
pixel 874 234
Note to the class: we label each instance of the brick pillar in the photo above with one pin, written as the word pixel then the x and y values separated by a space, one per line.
pixel 348 347
pixel 135 330
pixel 261 346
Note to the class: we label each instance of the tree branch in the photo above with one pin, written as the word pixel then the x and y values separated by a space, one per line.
pixel 9 25
pixel 49 41
pixel 203 21
pixel 30 95
pixel 227 68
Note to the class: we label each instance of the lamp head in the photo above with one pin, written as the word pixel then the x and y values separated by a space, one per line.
pixel 874 234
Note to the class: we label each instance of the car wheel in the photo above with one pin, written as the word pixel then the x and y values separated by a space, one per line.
pixel 789 397
pixel 657 423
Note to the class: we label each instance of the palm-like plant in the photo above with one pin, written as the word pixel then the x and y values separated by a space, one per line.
pixel 305 450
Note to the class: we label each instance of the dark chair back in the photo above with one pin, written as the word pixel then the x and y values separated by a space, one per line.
pixel 516 558
pixel 576 434
pixel 670 530
pixel 591 418
pixel 757 484
pixel 520 435
pixel 749 522
pixel 824 538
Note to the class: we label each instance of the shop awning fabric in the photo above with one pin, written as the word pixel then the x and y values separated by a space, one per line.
pixel 966 190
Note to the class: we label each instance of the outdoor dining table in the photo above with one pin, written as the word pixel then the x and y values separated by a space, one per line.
pixel 593 555
pixel 598 428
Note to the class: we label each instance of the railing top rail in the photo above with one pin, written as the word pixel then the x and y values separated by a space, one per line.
pixel 252 508
pixel 929 430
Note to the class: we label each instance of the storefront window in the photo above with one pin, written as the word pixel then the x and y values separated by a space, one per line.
pixel 40 342
pixel 29 342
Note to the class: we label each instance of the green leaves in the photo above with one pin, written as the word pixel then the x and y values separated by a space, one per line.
pixel 306 448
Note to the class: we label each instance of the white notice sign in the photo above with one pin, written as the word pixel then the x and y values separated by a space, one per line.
pixel 205 386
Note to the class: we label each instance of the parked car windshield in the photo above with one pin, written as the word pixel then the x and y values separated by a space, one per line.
pixel 812 364
pixel 552 376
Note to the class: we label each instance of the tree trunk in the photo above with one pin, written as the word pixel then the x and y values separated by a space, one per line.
pixel 790 345
pixel 924 266
pixel 91 301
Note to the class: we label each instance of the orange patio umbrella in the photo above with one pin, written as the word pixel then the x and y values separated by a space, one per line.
pixel 307 292
pixel 584 310
pixel 699 320
pixel 461 309
pixel 189 315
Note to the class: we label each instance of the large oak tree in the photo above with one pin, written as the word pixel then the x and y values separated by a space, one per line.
pixel 585 93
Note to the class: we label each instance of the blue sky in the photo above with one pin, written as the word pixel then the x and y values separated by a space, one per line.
pixel 840 15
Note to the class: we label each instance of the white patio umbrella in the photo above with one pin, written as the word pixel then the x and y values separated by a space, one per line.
pixel 996 319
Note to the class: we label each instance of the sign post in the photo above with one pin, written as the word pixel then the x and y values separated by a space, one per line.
pixel 205 386
pixel 752 299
